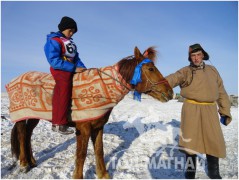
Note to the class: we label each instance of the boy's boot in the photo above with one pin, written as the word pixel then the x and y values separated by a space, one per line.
pixel 62 129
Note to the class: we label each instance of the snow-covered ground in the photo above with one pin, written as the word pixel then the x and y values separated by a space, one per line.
pixel 140 141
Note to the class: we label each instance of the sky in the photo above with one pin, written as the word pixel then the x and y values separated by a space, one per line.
pixel 108 31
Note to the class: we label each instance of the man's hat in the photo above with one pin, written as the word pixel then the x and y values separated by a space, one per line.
pixel 197 47
pixel 67 23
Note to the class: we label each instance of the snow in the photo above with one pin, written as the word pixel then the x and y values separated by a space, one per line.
pixel 140 141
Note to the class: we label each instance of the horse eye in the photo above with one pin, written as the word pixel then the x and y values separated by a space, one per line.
pixel 151 69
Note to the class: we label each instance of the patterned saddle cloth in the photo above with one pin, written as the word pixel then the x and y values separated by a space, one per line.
pixel 95 92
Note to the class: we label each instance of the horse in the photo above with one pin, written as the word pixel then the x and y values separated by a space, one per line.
pixel 88 121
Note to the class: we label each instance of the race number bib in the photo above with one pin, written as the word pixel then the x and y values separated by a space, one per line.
pixel 70 48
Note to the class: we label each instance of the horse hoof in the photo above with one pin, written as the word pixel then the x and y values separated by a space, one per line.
pixel 24 169
pixel 105 176
pixel 32 165
pixel 77 176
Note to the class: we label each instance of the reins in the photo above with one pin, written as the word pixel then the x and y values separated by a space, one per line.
pixel 150 85
pixel 99 71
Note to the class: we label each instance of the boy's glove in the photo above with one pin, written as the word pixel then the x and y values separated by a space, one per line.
pixel 80 70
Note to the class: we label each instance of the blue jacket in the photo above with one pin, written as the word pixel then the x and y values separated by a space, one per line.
pixel 53 54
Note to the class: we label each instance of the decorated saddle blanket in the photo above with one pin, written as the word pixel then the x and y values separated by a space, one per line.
pixel 95 92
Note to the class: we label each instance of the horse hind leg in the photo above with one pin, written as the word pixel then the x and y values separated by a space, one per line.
pixel 18 144
pixel 15 146
pixel 31 124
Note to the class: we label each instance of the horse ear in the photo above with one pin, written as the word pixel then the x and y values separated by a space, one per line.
pixel 137 53
pixel 151 53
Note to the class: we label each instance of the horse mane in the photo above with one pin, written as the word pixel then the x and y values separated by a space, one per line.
pixel 126 67
pixel 128 64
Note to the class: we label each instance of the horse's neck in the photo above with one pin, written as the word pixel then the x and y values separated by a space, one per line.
pixel 117 76
pixel 126 68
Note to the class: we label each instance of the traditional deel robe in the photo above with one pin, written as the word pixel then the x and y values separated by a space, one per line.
pixel 205 97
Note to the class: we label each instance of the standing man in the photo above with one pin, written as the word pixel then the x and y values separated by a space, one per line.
pixel 62 55
pixel 205 97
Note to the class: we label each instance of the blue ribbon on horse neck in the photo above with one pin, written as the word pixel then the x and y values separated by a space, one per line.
pixel 137 78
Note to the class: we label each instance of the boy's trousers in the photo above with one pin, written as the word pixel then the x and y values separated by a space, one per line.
pixel 61 99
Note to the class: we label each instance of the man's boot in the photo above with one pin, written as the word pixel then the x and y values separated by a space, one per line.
pixel 190 166
pixel 213 167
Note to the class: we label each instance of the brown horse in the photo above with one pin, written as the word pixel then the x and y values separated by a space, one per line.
pixel 153 84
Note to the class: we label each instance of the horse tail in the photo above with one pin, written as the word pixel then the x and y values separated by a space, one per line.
pixel 15 145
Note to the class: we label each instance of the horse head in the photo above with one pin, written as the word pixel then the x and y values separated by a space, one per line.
pixel 152 81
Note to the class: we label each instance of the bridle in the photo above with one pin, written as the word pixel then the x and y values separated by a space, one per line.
pixel 150 86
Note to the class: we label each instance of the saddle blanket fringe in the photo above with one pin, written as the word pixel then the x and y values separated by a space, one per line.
pixel 95 92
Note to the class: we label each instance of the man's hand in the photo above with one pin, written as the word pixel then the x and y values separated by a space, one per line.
pixel 223 120
pixel 80 70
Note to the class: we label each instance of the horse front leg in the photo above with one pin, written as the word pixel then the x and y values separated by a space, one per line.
pixel 31 124
pixel 82 139
pixel 97 139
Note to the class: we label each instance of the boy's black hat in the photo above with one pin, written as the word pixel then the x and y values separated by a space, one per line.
pixel 67 23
